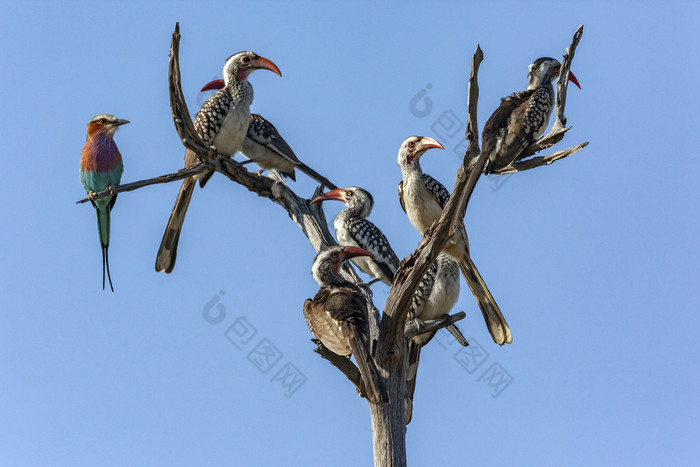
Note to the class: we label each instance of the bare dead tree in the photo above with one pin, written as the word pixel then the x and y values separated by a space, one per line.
pixel 390 332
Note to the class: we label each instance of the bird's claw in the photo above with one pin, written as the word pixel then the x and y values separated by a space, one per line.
pixel 91 195
pixel 419 325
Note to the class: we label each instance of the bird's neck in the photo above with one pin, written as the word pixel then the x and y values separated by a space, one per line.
pixel 324 275
pixel 545 81
pixel 240 91
pixel 355 210
pixel 410 170
pixel 331 281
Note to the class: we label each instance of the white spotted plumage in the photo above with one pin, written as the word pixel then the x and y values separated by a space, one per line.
pixel 353 229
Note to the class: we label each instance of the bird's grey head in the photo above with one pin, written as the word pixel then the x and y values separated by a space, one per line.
pixel 414 147
pixel 542 70
pixel 240 65
pixel 357 199
pixel 326 267
pixel 106 123
pixel 546 70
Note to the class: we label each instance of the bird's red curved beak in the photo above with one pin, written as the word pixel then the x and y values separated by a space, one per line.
pixel 573 79
pixel 262 62
pixel 335 195
pixel 216 84
pixel 353 251
pixel 429 143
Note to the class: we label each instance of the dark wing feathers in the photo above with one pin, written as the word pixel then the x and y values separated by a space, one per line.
pixel 422 292
pixel 264 133
pixel 369 237
pixel 438 190
pixel 533 116
pixel 497 125
pixel 347 305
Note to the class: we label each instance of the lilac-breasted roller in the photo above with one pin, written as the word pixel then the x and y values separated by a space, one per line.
pixel 101 167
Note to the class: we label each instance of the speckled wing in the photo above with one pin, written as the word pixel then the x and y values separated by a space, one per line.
pixel 369 237
pixel 211 116
pixel 264 133
pixel 207 123
pixel 422 292
pixel 425 286
pixel 526 122
pixel 437 189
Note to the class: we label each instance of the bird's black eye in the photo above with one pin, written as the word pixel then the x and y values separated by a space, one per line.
pixel 348 193
pixel 412 144
pixel 245 60
pixel 103 120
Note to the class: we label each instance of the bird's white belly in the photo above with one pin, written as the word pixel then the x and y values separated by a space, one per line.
pixel 233 131
pixel 423 210
pixel 442 298
pixel 421 207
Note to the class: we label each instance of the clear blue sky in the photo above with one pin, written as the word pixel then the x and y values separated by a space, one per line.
pixel 593 260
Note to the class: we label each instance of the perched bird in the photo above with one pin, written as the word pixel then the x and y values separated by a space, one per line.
pixel 223 123
pixel 435 296
pixel 423 199
pixel 522 117
pixel 337 316
pixel 353 229
pixel 101 167
pixel 266 147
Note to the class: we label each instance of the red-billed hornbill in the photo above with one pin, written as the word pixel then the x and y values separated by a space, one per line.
pixel 522 117
pixel 223 123
pixel 337 316
pixel 266 147
pixel 436 294
pixel 353 229
pixel 423 199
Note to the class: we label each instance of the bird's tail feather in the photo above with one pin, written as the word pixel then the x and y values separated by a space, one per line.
pixel 103 226
pixel 457 334
pixel 498 327
pixel 204 177
pixel 374 386
pixel 105 266
pixel 167 253
pixel 316 176
pixel 414 349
